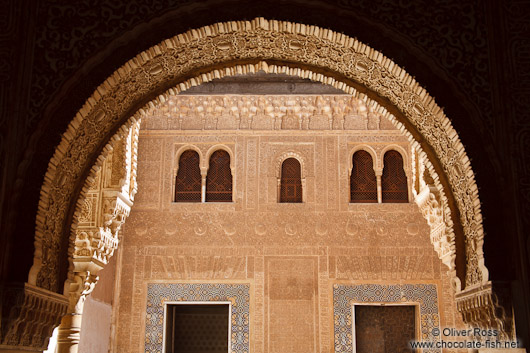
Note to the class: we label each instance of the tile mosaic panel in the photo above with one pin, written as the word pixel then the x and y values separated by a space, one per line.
pixel 345 296
pixel 160 293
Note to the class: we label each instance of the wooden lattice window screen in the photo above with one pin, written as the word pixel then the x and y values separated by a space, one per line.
pixel 188 183
pixel 219 178
pixel 394 180
pixel 291 181
pixel 363 183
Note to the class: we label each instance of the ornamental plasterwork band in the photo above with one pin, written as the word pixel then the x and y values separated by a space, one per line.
pixel 101 213
pixel 488 307
pixel 224 45
pixel 271 112
pixel 431 204
pixel 307 112
pixel 29 315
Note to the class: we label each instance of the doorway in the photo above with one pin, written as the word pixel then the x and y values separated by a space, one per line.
pixel 384 329
pixel 197 328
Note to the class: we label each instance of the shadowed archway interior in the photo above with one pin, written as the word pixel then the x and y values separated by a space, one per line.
pixel 79 187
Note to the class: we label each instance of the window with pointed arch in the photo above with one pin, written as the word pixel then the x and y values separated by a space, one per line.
pixel 291 181
pixel 188 182
pixel 394 180
pixel 219 178
pixel 363 183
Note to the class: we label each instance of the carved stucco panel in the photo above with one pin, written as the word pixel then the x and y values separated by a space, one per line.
pixel 225 44
pixel 95 241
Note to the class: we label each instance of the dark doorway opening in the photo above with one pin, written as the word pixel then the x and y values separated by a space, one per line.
pixel 384 329
pixel 197 328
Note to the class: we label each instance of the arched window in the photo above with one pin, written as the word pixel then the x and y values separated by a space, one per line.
pixel 363 183
pixel 394 180
pixel 188 183
pixel 291 181
pixel 219 178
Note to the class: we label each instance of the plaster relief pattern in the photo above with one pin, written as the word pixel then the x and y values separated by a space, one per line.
pixel 292 307
pixel 197 267
pixel 221 44
pixel 291 254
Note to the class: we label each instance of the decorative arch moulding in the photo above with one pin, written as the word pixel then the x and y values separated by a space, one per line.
pixel 246 47
pixel 287 155
pixel 368 149
pixel 220 147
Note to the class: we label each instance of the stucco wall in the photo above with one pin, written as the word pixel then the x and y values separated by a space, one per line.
pixel 97 313
pixel 291 255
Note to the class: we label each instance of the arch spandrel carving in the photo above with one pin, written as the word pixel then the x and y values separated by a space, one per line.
pixel 111 187
pixel 220 50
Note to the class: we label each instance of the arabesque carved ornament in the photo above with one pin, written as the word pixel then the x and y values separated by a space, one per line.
pixel 29 315
pixel 434 209
pixel 224 46
pixel 488 307
pixel 111 188
pixel 267 112
pixel 310 112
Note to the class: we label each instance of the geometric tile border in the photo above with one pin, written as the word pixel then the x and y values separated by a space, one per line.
pixel 159 293
pixel 345 296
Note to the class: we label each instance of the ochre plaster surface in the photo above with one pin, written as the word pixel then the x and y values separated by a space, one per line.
pixel 291 255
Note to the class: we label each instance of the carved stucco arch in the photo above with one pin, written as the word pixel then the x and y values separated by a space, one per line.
pixel 303 172
pixel 406 168
pixel 176 163
pixel 406 161
pixel 244 47
pixel 222 147
pixel 286 155
pixel 401 151
pixel 227 149
pixel 365 148
pixel 183 149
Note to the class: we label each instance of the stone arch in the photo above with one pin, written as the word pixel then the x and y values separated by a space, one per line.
pixel 244 47
pixel 376 172
pixel 406 165
pixel 365 148
pixel 183 149
pixel 217 147
pixel 303 172
pixel 401 151
pixel 176 162
pixel 209 153
pixel 283 157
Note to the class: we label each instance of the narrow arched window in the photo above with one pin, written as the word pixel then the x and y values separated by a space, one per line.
pixel 219 178
pixel 363 183
pixel 291 181
pixel 394 180
pixel 188 183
